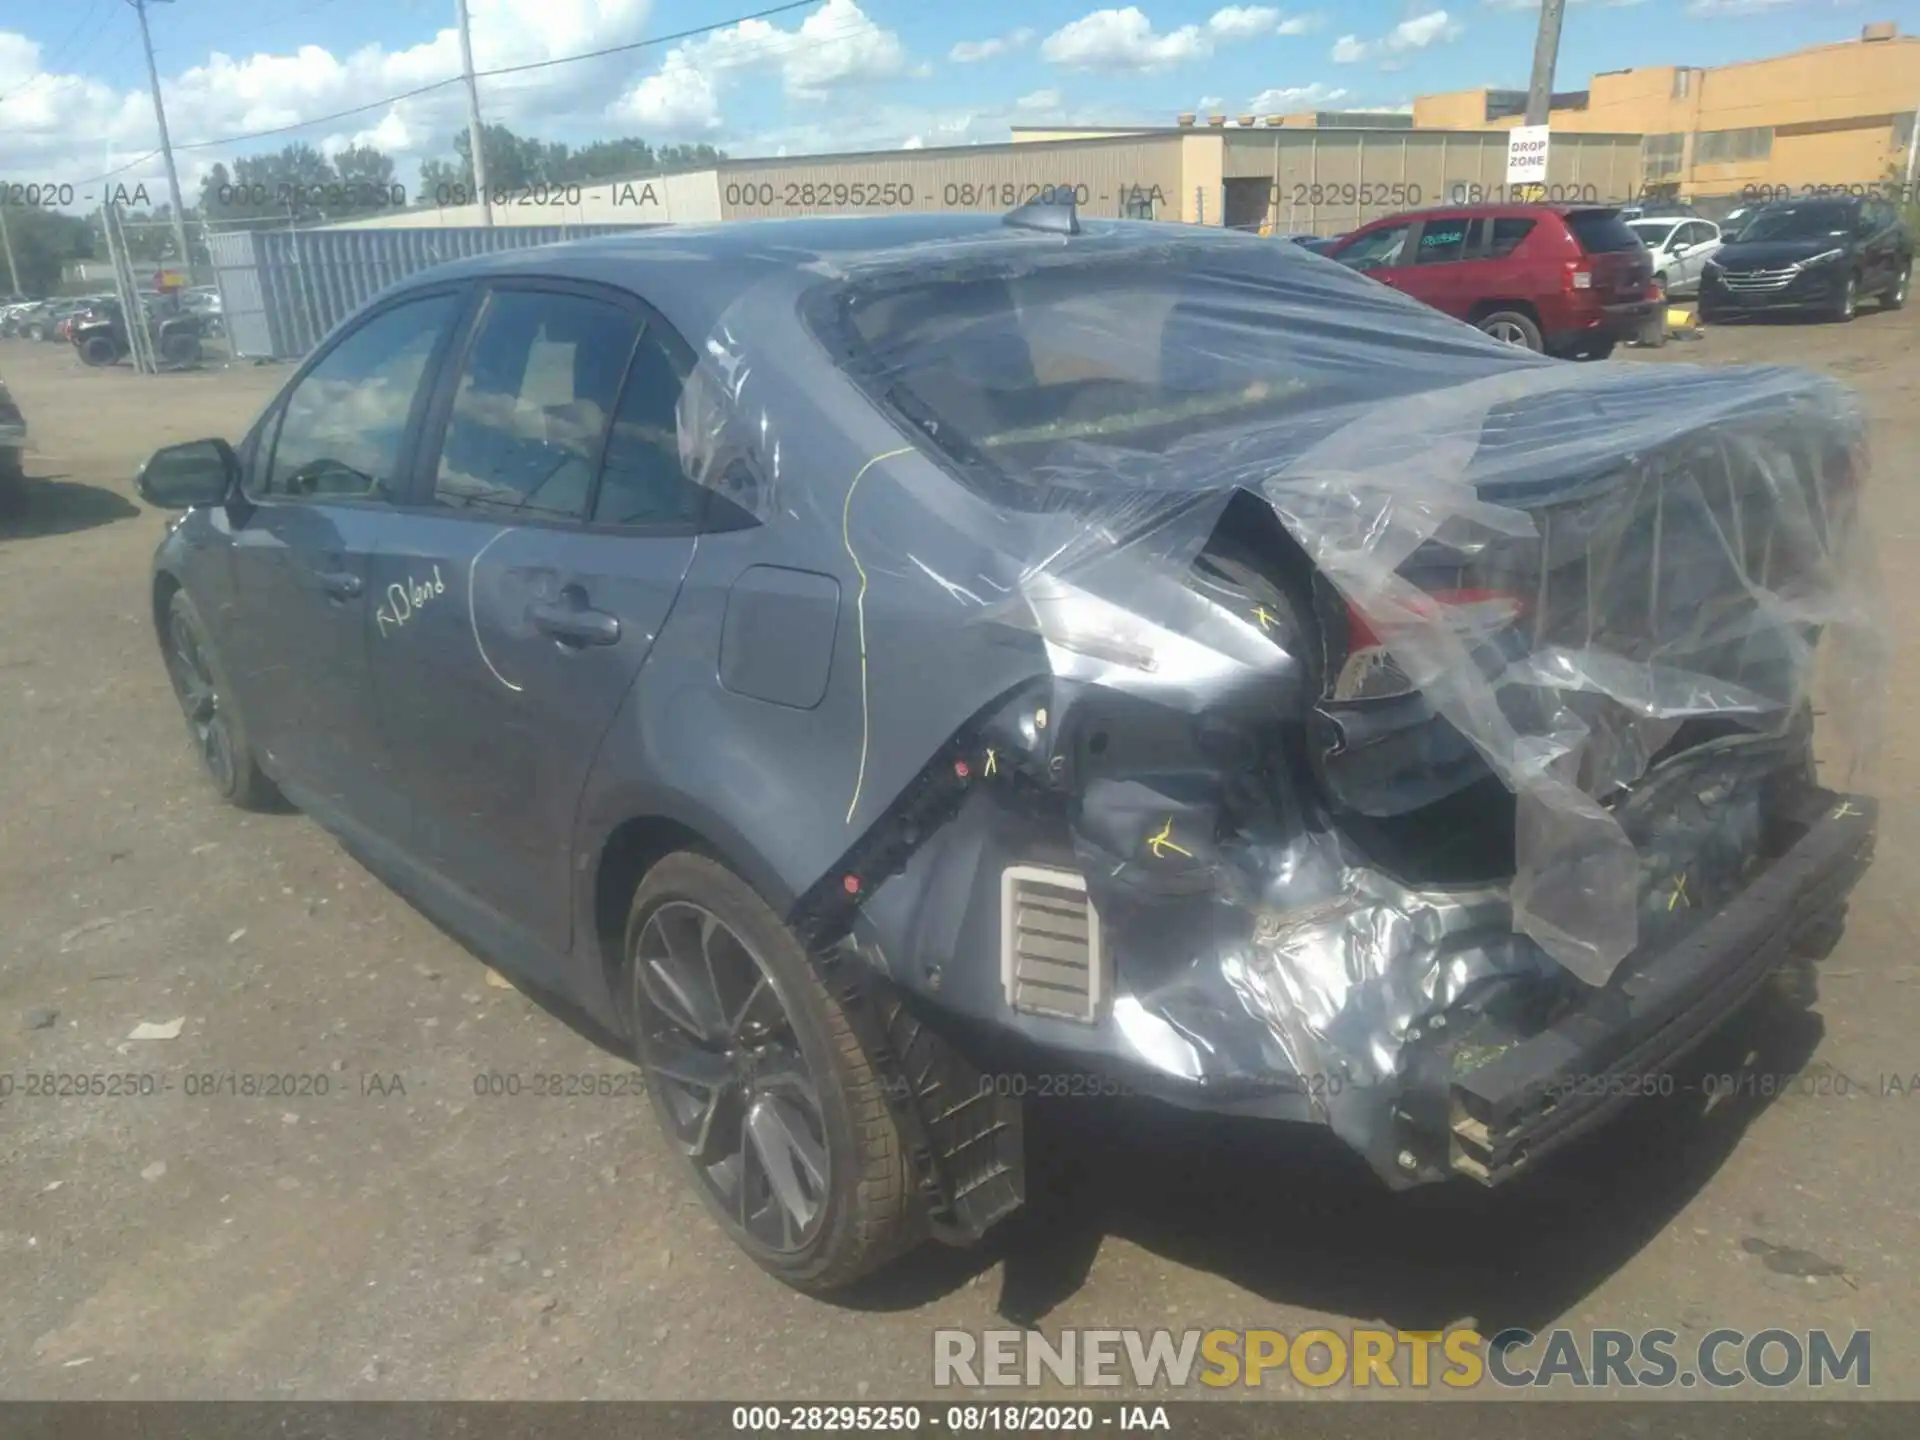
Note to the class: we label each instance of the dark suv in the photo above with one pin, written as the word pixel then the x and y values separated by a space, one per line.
pixel 1562 279
pixel 1822 255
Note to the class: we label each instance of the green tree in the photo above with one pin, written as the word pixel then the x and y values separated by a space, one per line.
pixel 300 185
pixel 516 161
pixel 43 241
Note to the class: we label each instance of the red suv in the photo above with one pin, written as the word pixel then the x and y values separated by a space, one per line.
pixel 1565 279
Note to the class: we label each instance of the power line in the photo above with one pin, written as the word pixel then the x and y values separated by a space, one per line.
pixel 45 72
pixel 431 86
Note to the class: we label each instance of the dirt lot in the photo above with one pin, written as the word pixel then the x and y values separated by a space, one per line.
pixel 406 1237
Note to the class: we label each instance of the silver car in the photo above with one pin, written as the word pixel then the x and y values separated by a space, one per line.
pixel 1680 250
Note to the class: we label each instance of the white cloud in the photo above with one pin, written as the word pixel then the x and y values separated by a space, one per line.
pixel 1208 102
pixel 837 45
pixel 1122 40
pixel 913 142
pixel 969 51
pixel 1125 40
pixel 1415 34
pixel 76 125
pixel 1039 100
pixel 1243 22
pixel 677 99
pixel 1295 97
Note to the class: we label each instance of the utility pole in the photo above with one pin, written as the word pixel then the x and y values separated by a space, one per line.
pixel 1546 50
pixel 166 145
pixel 6 243
pixel 475 134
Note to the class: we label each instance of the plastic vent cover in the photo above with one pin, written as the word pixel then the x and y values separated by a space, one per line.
pixel 1051 958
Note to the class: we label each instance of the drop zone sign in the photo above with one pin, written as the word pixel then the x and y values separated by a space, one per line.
pixel 1527 155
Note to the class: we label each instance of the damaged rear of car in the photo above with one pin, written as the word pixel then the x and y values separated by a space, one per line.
pixel 1278 699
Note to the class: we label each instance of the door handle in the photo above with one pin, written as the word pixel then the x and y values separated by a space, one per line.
pixel 341 584
pixel 574 624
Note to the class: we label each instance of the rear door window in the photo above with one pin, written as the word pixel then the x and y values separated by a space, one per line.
pixel 1451 238
pixel 536 391
pixel 642 481
pixel 1602 231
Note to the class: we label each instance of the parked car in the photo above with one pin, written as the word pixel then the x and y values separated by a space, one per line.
pixel 1567 280
pixel 1680 251
pixel 13 443
pixel 1735 220
pixel 13 318
pixel 1658 210
pixel 99 333
pixel 1823 255
pixel 876 667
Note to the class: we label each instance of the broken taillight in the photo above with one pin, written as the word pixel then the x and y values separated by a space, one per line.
pixel 1370 671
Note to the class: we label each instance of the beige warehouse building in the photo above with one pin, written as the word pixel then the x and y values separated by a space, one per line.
pixel 1322 178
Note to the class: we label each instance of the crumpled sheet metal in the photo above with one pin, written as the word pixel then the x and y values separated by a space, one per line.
pixel 1672 541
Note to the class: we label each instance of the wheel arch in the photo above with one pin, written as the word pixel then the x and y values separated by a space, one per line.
pixel 1484 308
pixel 651 830
pixel 165 586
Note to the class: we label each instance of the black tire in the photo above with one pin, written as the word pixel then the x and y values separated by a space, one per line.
pixel 99 350
pixel 1514 328
pixel 865 1212
pixel 180 349
pixel 214 722
pixel 1897 296
pixel 1847 303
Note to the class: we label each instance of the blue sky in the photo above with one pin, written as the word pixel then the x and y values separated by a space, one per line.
pixel 832 74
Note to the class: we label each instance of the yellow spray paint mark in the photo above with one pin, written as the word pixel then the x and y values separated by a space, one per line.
pixel 1679 895
pixel 993 761
pixel 1264 616
pixel 1163 844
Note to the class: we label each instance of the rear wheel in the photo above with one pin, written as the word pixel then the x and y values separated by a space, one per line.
pixel 1897 296
pixel 759 1082
pixel 1514 328
pixel 213 720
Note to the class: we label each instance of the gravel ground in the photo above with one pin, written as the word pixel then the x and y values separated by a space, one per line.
pixel 401 1236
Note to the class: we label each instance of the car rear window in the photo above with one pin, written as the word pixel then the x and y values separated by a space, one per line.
pixel 1599 231
pixel 1031 370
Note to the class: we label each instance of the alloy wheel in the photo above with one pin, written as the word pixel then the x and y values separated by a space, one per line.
pixel 1506 330
pixel 1848 303
pixel 728 1075
pixel 1900 286
pixel 199 697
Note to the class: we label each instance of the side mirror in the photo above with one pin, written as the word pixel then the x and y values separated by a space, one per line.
pixel 179 477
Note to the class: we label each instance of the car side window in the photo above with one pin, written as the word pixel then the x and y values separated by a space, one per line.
pixel 1443 240
pixel 1508 232
pixel 642 481
pixel 1377 249
pixel 535 393
pixel 343 426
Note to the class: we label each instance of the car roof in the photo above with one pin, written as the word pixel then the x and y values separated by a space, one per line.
pixel 694 274
pixel 1487 208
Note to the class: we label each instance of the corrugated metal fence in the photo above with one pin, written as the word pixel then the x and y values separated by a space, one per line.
pixel 282 290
